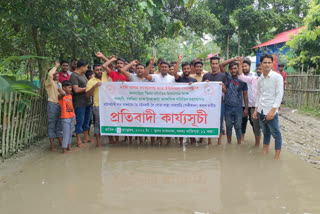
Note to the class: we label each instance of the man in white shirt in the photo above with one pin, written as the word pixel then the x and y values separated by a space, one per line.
pixel 162 77
pixel 268 100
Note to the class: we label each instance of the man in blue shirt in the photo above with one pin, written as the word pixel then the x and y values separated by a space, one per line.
pixel 237 91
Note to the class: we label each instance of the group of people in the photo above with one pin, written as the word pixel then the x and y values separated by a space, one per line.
pixel 73 95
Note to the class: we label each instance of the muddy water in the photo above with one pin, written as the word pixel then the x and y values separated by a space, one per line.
pixel 168 179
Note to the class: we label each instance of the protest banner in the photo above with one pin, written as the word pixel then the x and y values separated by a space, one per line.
pixel 160 109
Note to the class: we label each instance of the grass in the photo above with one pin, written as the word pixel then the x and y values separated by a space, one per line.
pixel 305 110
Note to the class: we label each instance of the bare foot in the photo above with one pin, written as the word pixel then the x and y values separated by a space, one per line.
pixel 265 149
pixel 277 155
pixel 65 151
pixel 257 144
pixel 224 132
pixel 209 141
pixel 99 145
pixel 52 149
pixel 80 145
pixel 87 140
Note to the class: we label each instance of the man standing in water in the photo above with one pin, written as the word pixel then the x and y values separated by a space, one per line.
pixel 162 77
pixel 216 76
pixel 139 77
pixel 269 95
pixel 185 78
pixel 81 104
pixel 116 76
pixel 93 90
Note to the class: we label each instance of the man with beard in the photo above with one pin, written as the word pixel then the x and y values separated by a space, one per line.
pixel 63 74
pixel 171 69
pixel 139 77
pixel 73 66
pixel 93 90
pixel 246 72
pixel 163 77
pixel 237 91
pixel 152 68
pixel 216 76
pixel 116 76
pixel 253 80
pixel 185 78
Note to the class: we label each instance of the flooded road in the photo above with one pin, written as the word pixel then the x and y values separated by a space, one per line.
pixel 169 179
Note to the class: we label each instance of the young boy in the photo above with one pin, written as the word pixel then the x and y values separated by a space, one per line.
pixel 67 114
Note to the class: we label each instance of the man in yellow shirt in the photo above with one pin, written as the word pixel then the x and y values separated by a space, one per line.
pixel 53 108
pixel 198 67
pixel 93 90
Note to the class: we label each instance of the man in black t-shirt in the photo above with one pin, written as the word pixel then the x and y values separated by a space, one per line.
pixel 185 78
pixel 216 76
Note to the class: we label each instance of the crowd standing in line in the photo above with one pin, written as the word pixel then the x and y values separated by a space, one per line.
pixel 73 96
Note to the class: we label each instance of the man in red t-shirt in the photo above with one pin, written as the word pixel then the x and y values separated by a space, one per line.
pixel 63 74
pixel 284 76
pixel 114 75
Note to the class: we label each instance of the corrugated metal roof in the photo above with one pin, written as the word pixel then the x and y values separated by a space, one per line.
pixel 280 38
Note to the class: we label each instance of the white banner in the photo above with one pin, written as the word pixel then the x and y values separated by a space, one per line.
pixel 160 109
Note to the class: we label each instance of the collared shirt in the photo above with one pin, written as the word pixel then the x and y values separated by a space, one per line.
pixel 197 77
pixel 159 78
pixel 52 87
pixel 269 92
pixel 94 81
pixel 63 76
pixel 251 81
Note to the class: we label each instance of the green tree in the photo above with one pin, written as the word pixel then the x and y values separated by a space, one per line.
pixel 306 45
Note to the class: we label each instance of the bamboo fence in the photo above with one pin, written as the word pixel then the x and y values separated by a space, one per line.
pixel 303 90
pixel 20 127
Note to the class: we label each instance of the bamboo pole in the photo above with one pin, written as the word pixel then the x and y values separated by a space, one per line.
pixel 13 122
pixel 4 144
pixel 18 119
pixel 22 129
pixel 9 124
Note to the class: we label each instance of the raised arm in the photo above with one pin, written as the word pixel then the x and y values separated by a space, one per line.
pixel 124 69
pixel 176 67
pixel 227 62
pixel 52 72
pixel 146 71
pixel 101 56
pixel 105 66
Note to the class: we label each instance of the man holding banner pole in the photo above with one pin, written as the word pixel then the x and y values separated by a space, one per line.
pixel 162 77
pixel 139 77
pixel 185 78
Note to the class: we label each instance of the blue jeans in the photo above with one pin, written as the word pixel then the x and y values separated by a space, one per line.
pixel 234 118
pixel 83 116
pixel 221 117
pixel 54 121
pixel 68 125
pixel 270 127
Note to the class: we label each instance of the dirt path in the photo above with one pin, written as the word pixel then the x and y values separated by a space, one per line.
pixel 301 135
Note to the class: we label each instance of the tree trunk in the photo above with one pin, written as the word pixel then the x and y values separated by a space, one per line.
pixel 43 66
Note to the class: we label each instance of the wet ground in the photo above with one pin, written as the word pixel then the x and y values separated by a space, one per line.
pixel 168 179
